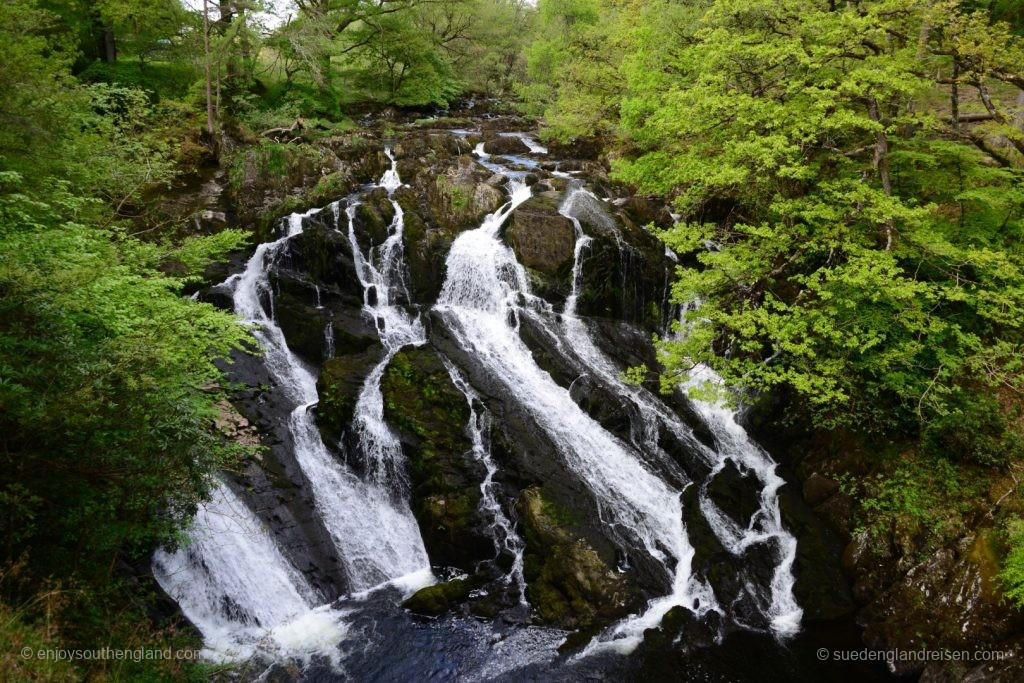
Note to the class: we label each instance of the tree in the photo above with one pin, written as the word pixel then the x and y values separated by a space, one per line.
pixel 848 181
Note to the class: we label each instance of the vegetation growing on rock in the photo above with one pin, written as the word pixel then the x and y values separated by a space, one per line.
pixel 567 583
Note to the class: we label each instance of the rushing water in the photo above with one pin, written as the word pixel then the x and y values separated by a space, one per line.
pixel 484 284
pixel 236 584
pixel 233 582
pixel 382 274
pixel 501 529
pixel 372 529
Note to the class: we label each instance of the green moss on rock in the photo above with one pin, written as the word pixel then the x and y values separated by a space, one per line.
pixel 435 600
pixel 430 415
pixel 339 383
pixel 568 583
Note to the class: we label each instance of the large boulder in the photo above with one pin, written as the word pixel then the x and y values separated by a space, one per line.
pixel 460 196
pixel 431 415
pixel 568 584
pixel 435 600
pixel 543 239
pixel 505 144
pixel 373 217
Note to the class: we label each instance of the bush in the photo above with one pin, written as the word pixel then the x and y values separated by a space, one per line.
pixel 976 431
pixel 1012 573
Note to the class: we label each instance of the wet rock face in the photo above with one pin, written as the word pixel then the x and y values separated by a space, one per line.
pixel 542 238
pixel 625 276
pixel 952 597
pixel 430 415
pixel 273 484
pixel 568 584
pixel 338 385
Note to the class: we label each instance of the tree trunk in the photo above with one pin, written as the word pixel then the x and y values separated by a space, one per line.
pixel 206 60
pixel 954 96
pixel 109 45
pixel 881 163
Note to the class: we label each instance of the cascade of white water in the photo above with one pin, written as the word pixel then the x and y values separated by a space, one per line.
pixel 329 340
pixel 376 536
pixel 734 444
pixel 381 272
pixel 731 441
pixel 582 244
pixel 531 144
pixel 503 531
pixel 233 583
pixel 484 282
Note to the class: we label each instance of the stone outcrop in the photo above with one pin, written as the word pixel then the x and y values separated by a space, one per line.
pixel 505 144
pixel 431 415
pixel 569 585
pixel 542 238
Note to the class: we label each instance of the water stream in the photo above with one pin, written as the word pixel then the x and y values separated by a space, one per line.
pixel 244 593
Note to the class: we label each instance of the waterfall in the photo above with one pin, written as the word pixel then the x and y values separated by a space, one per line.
pixel 733 444
pixel 731 440
pixel 233 583
pixel 381 272
pixel 483 283
pixel 531 144
pixel 329 340
pixel 375 534
pixel 503 531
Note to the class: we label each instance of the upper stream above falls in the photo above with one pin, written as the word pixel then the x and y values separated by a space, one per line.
pixel 446 426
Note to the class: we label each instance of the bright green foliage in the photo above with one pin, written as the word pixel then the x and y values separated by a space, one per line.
pixel 401 63
pixel 104 385
pixel 410 52
pixel 1012 572
pixel 849 242
pixel 108 387
pixel 571 67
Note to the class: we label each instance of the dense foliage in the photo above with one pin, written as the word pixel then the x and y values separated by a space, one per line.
pixel 847 178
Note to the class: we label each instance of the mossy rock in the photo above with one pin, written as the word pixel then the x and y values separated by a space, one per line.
pixel 430 415
pixel 435 600
pixel 543 239
pixel 568 584
pixel 373 217
pixel 302 324
pixel 338 385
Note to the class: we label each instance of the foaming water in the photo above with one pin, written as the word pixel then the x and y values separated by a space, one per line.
pixel 731 441
pixel 374 532
pixel 501 528
pixel 381 271
pixel 230 579
pixel 483 285
pixel 735 445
